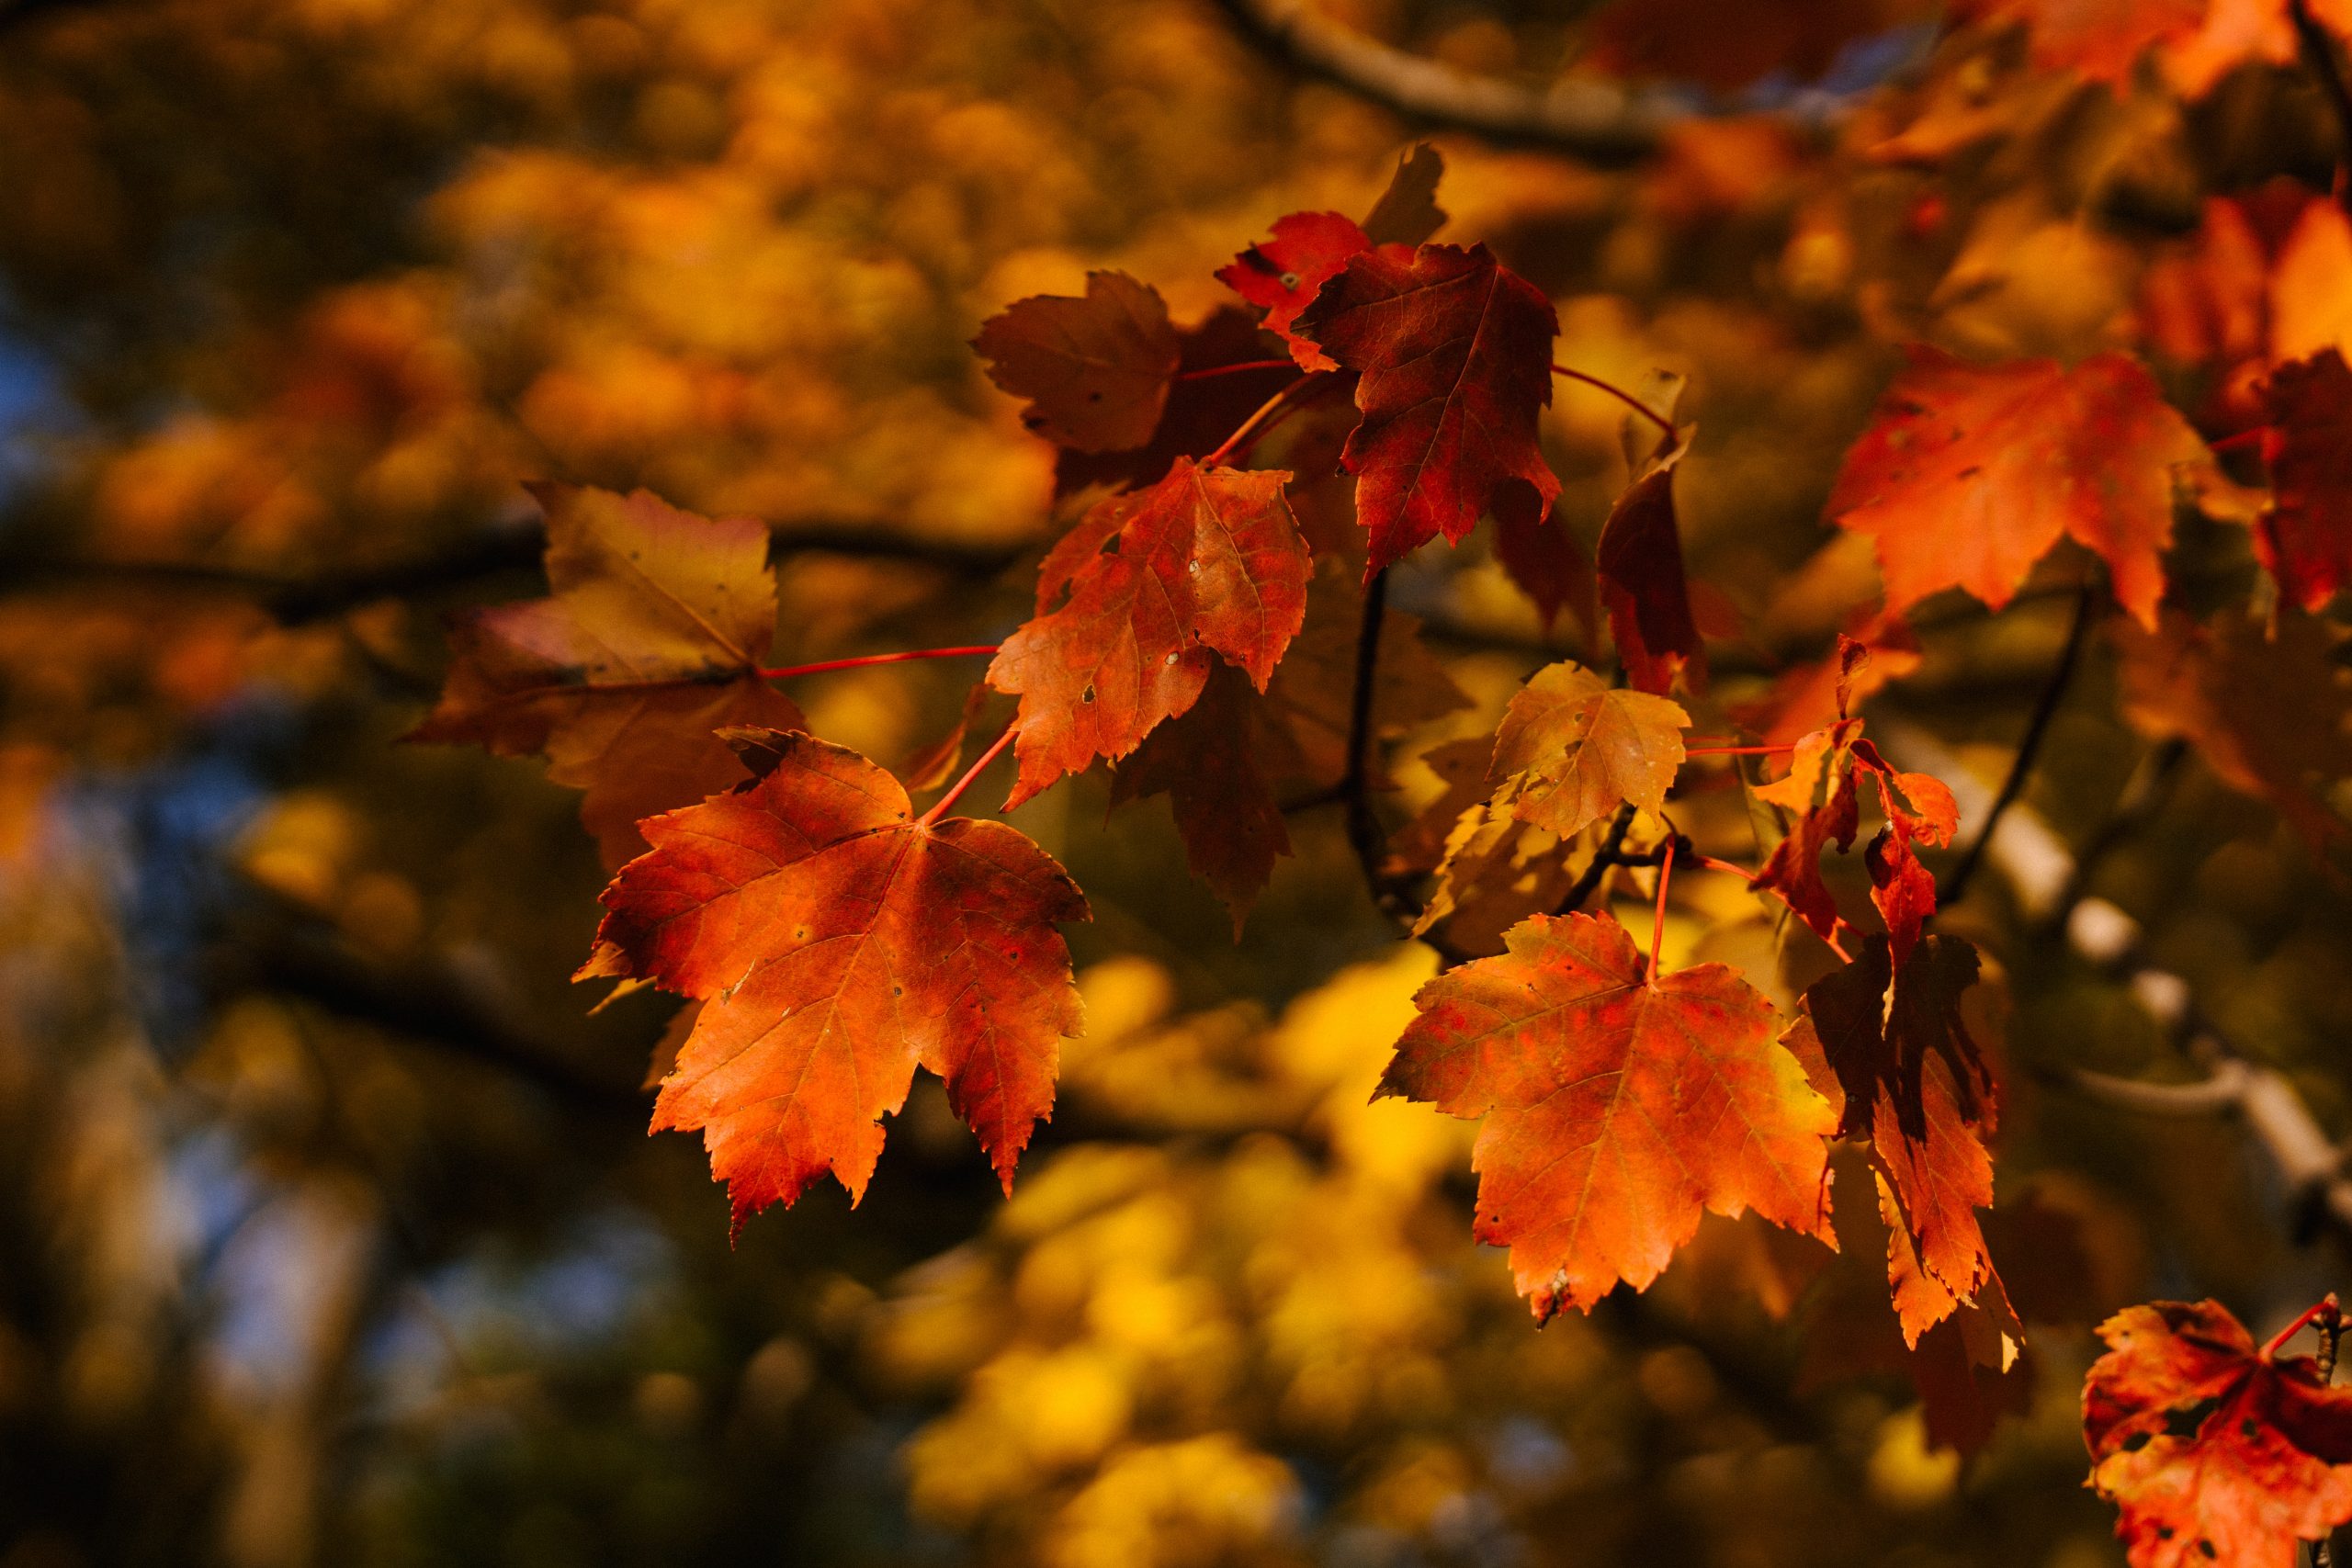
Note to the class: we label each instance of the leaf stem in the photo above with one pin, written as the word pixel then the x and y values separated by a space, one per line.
pixel 1738 751
pixel 955 791
pixel 2325 1307
pixel 861 660
pixel 2037 727
pixel 1666 426
pixel 1711 864
pixel 1246 434
pixel 1657 926
pixel 1203 375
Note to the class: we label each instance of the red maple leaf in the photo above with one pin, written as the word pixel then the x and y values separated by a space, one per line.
pixel 1455 355
pixel 1821 788
pixel 1282 275
pixel 2218 1452
pixel 1969 474
pixel 1618 1106
pixel 837 943
pixel 1907 1079
pixel 1095 369
pixel 2305 537
pixel 1131 602
pixel 1201 410
pixel 652 637
pixel 1639 564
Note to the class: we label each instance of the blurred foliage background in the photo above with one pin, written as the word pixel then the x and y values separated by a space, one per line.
pixel 329 1231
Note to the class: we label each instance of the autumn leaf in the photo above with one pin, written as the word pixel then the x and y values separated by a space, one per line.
pixel 837 943
pixel 1455 355
pixel 1201 409
pixel 1969 474
pixel 2097 40
pixel 2305 537
pixel 1821 788
pixel 1579 748
pixel 1207 762
pixel 651 639
pixel 1907 1079
pixel 1133 600
pixel 2267 708
pixel 1281 274
pixel 1618 1107
pixel 1095 369
pixel 1408 213
pixel 1643 586
pixel 2217 1452
pixel 1540 555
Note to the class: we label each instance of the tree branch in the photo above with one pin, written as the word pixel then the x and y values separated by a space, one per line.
pixel 2029 748
pixel 301 600
pixel 1601 123
pixel 1602 859
pixel 1365 835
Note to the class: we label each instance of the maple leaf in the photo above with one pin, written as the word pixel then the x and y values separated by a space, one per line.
pixel 1540 555
pixel 836 942
pixel 1206 762
pixel 2268 710
pixel 1619 1107
pixel 1579 748
pixel 1820 787
pixel 1201 410
pixel 1132 600
pixel 652 638
pixel 1969 474
pixel 1454 353
pixel 1906 1077
pixel 1096 368
pixel 2305 537
pixel 2217 1452
pixel 1282 275
pixel 1639 563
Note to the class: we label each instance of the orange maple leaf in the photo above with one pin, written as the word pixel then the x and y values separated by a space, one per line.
pixel 1095 369
pixel 837 943
pixel 1455 355
pixel 2218 1452
pixel 1131 602
pixel 1577 749
pixel 653 639
pixel 1618 1106
pixel 1907 1078
pixel 1969 474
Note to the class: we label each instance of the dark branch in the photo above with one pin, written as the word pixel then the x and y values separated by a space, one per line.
pixel 1365 835
pixel 1601 123
pixel 1602 859
pixel 427 1003
pixel 2029 748
pixel 300 600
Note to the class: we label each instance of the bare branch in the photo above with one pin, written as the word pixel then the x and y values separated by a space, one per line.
pixel 1601 123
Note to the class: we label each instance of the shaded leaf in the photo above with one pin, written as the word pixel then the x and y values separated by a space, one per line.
pixel 1096 368
pixel 1201 410
pixel 1206 762
pixel 1408 212
pixel 836 943
pixel 1639 563
pixel 2305 537
pixel 651 639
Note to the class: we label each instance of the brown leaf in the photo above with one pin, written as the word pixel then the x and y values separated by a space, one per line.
pixel 1095 369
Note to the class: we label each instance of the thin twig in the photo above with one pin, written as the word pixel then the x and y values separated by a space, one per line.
pixel 1602 859
pixel 2028 748
pixel 1365 835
